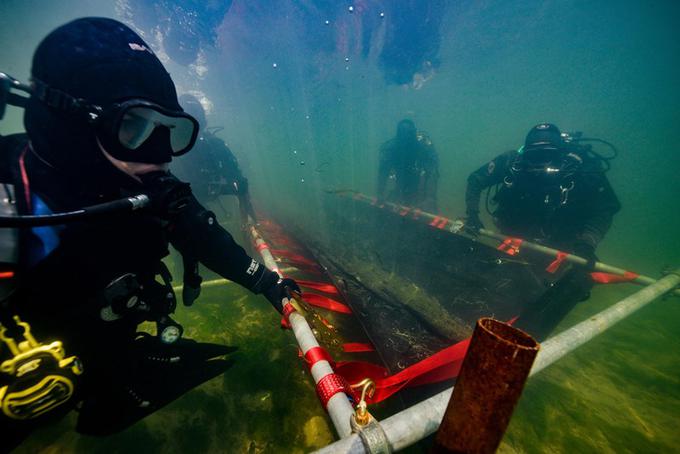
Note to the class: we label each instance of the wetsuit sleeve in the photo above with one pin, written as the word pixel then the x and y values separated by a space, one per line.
pixel 197 235
pixel 384 168
pixel 486 176
pixel 603 206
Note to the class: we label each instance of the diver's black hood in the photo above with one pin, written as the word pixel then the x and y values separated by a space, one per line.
pixel 102 61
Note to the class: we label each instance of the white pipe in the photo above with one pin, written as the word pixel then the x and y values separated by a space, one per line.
pixel 338 407
pixel 452 226
pixel 417 422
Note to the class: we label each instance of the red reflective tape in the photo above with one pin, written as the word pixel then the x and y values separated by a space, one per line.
pixel 434 221
pixel 510 246
pixel 357 347
pixel 606 278
pixel 320 286
pixel 326 303
pixel 559 259
pixel 330 385
pixel 316 354
pixel 442 223
pixel 262 246
pixel 6 274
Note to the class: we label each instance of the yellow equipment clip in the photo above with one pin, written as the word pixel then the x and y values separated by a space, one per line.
pixel 41 377
pixel 361 415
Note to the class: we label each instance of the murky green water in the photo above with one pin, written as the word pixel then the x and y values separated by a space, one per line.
pixel 305 106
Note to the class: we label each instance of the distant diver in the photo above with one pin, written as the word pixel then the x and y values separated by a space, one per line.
pixel 212 169
pixel 103 122
pixel 553 190
pixel 410 162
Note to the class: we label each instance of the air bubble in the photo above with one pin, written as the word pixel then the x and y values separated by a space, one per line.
pixel 350 9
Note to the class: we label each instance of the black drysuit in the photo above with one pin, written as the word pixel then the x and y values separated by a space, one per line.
pixel 570 212
pixel 65 278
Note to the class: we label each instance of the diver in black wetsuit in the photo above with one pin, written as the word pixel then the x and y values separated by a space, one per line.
pixel 553 192
pixel 411 161
pixel 103 122
pixel 212 169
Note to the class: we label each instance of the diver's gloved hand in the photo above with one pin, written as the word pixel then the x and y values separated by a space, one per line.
pixel 191 290
pixel 168 194
pixel 279 290
pixel 586 251
pixel 473 223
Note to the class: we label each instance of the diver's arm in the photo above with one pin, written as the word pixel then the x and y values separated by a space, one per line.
pixel 196 233
pixel 486 176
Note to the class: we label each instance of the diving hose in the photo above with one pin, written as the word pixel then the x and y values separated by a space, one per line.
pixel 121 205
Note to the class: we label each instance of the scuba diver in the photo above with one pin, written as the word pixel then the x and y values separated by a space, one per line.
pixel 212 169
pixel 553 190
pixel 411 162
pixel 102 123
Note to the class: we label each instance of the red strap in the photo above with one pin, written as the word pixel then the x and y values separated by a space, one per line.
pixel 441 366
pixel 326 303
pixel 606 278
pixel 435 221
pixel 330 385
pixel 555 265
pixel 296 258
pixel 316 354
pixel 510 245
pixel 6 274
pixel 357 347
pixel 320 286
pixel 442 223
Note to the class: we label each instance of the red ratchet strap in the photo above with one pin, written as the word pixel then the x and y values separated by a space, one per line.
pixel 555 265
pixel 357 347
pixel 510 246
pixel 326 303
pixel 330 385
pixel 606 278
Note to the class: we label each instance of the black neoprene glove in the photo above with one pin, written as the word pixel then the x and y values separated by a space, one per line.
pixel 586 251
pixel 279 290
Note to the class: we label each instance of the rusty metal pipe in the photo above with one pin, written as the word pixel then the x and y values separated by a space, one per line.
pixel 491 380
